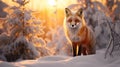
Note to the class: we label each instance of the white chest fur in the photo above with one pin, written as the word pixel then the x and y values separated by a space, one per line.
pixel 73 35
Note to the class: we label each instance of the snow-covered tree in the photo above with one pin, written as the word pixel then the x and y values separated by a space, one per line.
pixel 103 20
pixel 22 36
pixel 113 46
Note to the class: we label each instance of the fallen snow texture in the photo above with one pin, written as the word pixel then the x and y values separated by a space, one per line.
pixel 66 61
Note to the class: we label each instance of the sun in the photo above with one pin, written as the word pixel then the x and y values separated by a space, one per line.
pixel 51 2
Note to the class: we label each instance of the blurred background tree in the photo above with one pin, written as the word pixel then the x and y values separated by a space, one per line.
pixel 22 36
pixel 2 6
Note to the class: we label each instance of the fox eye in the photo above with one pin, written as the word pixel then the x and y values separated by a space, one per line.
pixel 69 20
pixel 77 20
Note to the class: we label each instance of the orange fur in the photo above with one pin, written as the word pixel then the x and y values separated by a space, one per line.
pixel 78 33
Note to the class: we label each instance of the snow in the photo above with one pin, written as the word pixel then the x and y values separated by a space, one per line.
pixel 96 60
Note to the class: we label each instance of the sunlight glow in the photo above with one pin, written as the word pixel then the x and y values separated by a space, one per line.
pixel 51 2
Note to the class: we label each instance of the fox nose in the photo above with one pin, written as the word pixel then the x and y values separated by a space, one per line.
pixel 72 25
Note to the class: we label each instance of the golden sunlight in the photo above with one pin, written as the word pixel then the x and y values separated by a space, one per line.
pixel 51 2
pixel 48 11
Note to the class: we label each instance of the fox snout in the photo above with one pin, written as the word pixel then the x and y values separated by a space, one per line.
pixel 73 25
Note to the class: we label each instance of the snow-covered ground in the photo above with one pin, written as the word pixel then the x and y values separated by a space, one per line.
pixel 96 60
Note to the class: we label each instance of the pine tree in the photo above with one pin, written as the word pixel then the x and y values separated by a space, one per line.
pixel 22 34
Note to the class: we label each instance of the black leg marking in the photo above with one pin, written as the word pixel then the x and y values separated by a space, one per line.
pixel 79 50
pixel 74 50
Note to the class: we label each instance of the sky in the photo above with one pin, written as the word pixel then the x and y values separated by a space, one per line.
pixel 41 4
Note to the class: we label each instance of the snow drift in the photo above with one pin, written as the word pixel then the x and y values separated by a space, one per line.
pixel 67 61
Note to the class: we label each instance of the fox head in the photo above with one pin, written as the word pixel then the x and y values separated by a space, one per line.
pixel 73 19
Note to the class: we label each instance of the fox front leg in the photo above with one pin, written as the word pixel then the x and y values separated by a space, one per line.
pixel 79 50
pixel 74 46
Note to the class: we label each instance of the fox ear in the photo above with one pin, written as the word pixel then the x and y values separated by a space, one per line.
pixel 68 12
pixel 79 12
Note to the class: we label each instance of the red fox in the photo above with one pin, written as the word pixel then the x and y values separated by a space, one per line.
pixel 78 33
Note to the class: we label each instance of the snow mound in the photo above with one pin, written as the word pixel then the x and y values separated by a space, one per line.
pixel 54 58
pixel 6 64
pixel 96 60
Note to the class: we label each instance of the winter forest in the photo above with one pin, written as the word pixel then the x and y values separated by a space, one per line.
pixel 32 30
